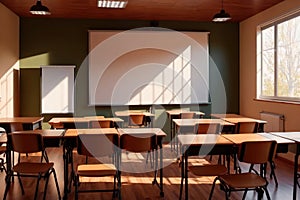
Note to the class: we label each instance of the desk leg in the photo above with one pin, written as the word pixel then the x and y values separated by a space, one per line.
pixel 295 172
pixel 186 176
pixel 65 158
pixel 161 170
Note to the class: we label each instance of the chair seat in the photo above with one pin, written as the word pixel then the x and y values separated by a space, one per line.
pixel 32 168
pixel 208 170
pixel 238 180
pixel 96 170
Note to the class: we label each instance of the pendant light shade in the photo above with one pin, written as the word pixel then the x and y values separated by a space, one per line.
pixel 39 9
pixel 222 16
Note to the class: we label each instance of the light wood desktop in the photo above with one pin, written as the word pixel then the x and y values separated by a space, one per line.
pixel 28 123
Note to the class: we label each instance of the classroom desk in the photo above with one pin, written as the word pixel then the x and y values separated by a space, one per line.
pixel 174 114
pixel 236 120
pixel 189 124
pixel 149 117
pixel 204 144
pixel 82 122
pixel 295 137
pixel 225 115
pixel 118 122
pixel 28 123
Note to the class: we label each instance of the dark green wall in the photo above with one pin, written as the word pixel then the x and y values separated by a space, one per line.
pixel 65 41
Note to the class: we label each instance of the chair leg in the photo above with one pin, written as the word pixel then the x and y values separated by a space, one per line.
pixel 56 183
pixel 21 184
pixel 46 186
pixel 37 187
pixel 181 188
pixel 7 180
pixel 76 187
pixel 267 192
pixel 272 174
pixel 245 193
pixel 212 188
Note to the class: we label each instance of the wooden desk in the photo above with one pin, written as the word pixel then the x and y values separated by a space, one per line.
pixel 82 122
pixel 58 122
pixel 189 124
pixel 118 122
pixel 208 144
pixel 28 123
pixel 174 114
pixel 236 120
pixel 160 135
pixel 149 117
pixel 226 115
pixel 294 136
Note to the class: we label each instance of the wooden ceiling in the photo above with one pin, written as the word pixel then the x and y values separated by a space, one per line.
pixel 187 10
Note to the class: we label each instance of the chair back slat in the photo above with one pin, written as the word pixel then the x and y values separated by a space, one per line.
pixel 29 142
pixel 136 119
pixel 97 145
pixel 207 128
pixel 138 142
pixel 247 127
pixel 187 115
pixel 101 124
pixel 258 152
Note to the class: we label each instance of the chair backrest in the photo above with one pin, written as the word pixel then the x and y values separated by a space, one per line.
pixel 207 128
pixel 75 125
pixel 138 142
pixel 97 145
pixel 16 127
pixel 187 115
pixel 101 124
pixel 247 127
pixel 136 120
pixel 26 142
pixel 256 152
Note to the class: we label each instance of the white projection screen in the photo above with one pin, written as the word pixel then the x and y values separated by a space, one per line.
pixel 148 67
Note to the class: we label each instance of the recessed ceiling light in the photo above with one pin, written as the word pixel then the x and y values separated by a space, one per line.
pixel 112 4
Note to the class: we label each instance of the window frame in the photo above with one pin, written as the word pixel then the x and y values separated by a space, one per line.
pixel 259 63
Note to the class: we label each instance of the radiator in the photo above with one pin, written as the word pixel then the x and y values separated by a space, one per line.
pixel 275 122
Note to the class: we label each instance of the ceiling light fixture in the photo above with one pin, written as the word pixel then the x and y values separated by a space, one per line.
pixel 112 3
pixel 39 9
pixel 222 16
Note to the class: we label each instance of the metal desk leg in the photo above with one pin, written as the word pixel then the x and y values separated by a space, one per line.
pixel 295 172
pixel 186 176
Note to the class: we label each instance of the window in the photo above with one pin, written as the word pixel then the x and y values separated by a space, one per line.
pixel 278 60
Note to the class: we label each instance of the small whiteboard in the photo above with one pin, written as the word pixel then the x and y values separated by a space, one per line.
pixel 57 95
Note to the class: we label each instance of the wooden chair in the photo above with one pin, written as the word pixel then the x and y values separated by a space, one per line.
pixel 29 143
pixel 246 127
pixel 252 153
pixel 187 115
pixel 139 143
pixel 101 124
pixel 136 120
pixel 207 128
pixel 97 146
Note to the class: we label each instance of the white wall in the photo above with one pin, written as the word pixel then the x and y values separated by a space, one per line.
pixel 248 105
pixel 9 59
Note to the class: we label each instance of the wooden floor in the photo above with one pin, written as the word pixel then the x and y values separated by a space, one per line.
pixel 139 185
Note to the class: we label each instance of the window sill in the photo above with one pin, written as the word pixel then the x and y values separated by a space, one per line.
pixel 278 101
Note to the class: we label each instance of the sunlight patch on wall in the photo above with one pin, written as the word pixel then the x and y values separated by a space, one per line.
pixel 35 61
